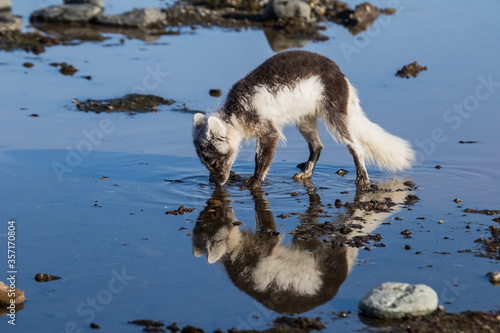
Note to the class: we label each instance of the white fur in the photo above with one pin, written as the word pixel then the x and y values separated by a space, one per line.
pixel 379 147
pixel 289 269
pixel 288 105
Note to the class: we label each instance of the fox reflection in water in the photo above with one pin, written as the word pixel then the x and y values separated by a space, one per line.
pixel 286 279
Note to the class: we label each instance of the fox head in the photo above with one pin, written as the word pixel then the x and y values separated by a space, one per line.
pixel 210 138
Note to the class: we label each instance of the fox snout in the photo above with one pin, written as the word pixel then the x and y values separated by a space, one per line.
pixel 219 178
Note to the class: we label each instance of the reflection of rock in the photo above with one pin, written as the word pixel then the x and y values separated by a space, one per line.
pixel 286 279
pixel 136 18
pixel 5 4
pixel 286 9
pixel 65 13
pixel 6 298
pixel 280 42
pixel 393 300
pixel 98 3
pixel 94 32
pixel 9 22
pixel 30 42
pixel 359 19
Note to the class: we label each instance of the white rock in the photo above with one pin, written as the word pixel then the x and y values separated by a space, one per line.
pixel 286 9
pixel 65 13
pixel 394 300
pixel 494 277
pixel 98 3
pixel 4 295
pixel 137 18
pixel 5 4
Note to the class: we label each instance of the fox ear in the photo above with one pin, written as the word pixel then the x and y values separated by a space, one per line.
pixel 216 251
pixel 199 119
pixel 216 126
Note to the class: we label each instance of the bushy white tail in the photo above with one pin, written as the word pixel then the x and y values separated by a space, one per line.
pixel 380 148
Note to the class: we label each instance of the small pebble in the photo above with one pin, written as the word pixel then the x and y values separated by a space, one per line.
pixel 342 172
pixel 28 64
pixel 409 183
pixel 405 232
pixel 215 92
pixel 494 277
pixel 41 277
pixel 457 201
pixel 440 222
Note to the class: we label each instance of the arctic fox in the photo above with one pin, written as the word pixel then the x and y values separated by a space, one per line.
pixel 294 87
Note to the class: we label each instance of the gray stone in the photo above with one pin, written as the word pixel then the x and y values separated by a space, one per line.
pixel 9 23
pixel 136 18
pixel 276 9
pixel 65 13
pixel 394 300
pixel 5 4
pixel 98 3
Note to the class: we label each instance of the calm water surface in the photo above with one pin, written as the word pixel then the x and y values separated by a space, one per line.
pixel 122 258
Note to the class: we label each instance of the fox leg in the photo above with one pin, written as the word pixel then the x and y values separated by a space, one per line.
pixel 264 154
pixel 362 178
pixel 307 127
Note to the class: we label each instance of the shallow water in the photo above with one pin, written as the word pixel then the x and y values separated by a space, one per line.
pixel 73 224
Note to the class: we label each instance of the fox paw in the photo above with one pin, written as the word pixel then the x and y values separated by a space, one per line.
pixel 252 183
pixel 361 181
pixel 301 175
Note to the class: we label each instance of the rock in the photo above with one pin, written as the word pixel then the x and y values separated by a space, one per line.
pixel 4 295
pixel 412 69
pixel 136 18
pixel 394 300
pixel 494 277
pixel 215 92
pixel 65 13
pixel 41 277
pixel 10 23
pixel 341 172
pixel 286 9
pixel 98 3
pixel 5 4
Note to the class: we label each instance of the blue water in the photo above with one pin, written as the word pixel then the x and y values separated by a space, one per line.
pixel 124 259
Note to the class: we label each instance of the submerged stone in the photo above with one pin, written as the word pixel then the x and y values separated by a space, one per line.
pixel 131 103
